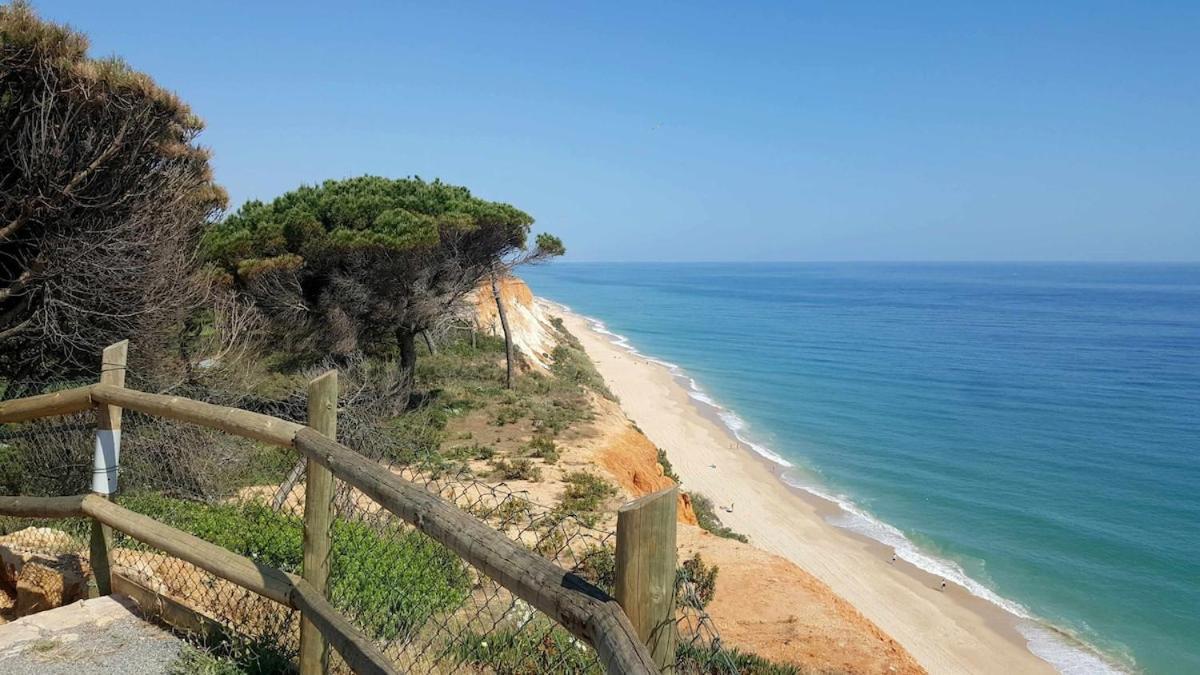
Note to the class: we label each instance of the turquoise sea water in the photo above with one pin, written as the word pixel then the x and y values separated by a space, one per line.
pixel 1031 430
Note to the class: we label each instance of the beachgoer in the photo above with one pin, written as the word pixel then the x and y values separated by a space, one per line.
pixel 893 558
pixel 943 584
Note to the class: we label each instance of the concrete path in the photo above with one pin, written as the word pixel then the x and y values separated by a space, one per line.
pixel 102 636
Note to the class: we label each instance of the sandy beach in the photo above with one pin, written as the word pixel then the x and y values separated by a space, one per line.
pixel 948 631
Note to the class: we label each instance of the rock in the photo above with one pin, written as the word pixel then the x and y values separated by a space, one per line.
pixel 39 539
pixel 39 570
pixel 40 587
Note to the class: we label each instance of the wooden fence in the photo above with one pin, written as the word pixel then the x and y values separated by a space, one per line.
pixel 645 542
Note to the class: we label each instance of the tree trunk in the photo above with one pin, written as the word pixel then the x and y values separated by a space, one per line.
pixel 429 342
pixel 408 363
pixel 508 349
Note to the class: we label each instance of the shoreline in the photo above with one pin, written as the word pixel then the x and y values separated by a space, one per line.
pixel 957 630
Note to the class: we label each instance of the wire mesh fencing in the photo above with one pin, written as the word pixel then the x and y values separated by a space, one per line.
pixel 427 609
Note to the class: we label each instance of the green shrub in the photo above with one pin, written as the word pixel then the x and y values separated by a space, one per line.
pixel 518 469
pixel 192 661
pixel 668 470
pixel 585 495
pixel 507 414
pixel 706 516
pixel 235 658
pixel 473 451
pixel 702 579
pixel 556 412
pixel 251 529
pixel 572 364
pixel 12 478
pixel 598 566
pixel 512 509
pixel 391 580
pixel 459 379
pixel 539 647
pixel 543 447
pixel 418 433
pixel 552 540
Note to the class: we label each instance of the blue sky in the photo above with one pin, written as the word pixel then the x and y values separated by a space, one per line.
pixel 732 131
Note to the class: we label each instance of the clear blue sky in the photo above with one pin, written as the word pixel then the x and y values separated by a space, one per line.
pixel 732 131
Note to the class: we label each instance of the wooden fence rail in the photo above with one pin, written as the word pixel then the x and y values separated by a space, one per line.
pixel 286 589
pixel 54 404
pixel 585 611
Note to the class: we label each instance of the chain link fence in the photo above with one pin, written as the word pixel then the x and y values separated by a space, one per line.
pixel 428 610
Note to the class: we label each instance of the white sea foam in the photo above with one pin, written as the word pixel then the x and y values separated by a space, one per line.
pixel 1063 652
pixel 1066 654
pixel 731 421
pixel 858 520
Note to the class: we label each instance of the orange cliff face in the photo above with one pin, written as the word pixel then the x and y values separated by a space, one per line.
pixel 633 461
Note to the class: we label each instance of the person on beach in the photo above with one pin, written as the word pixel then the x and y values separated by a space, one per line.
pixel 943 588
pixel 893 561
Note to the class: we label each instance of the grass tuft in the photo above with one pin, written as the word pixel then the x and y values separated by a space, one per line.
pixel 706 516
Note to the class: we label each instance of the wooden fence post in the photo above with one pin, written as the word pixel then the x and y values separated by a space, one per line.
pixel 106 462
pixel 646 560
pixel 318 518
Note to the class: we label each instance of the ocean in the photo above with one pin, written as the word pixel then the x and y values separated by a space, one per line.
pixel 1030 430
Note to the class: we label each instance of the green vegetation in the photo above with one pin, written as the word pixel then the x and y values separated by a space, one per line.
pixel 230 659
pixel 552 404
pixel 703 580
pixel 585 495
pixel 461 381
pixel 598 566
pixel 571 362
pixel 706 516
pixel 668 470
pixel 517 469
pixel 573 365
pixel 543 447
pixel 371 262
pixel 512 509
pixel 393 581
pixel 193 661
pixel 466 452
pixel 695 580
pixel 539 647
pixel 267 465
pixel 12 474
pixel 368 564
